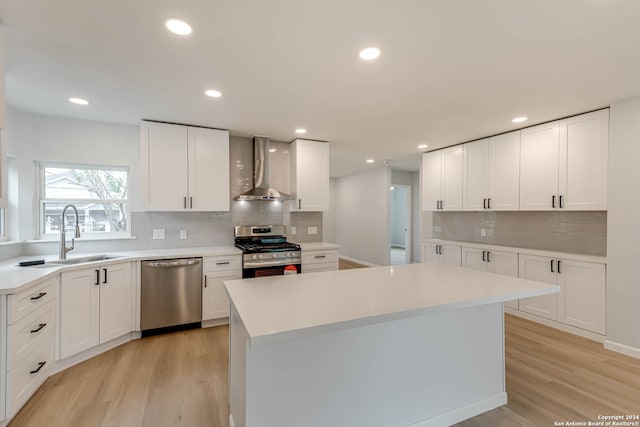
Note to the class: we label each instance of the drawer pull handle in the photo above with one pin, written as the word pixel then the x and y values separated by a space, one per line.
pixel 40 366
pixel 320 256
pixel 40 295
pixel 39 328
pixel 223 263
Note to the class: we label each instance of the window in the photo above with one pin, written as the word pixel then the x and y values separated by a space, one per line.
pixel 98 192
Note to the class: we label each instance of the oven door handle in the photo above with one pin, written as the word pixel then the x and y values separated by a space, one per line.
pixel 176 263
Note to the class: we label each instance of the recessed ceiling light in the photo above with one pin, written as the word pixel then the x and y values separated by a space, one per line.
pixel 369 53
pixel 423 146
pixel 370 160
pixel 520 119
pixel 301 130
pixel 79 101
pixel 177 26
pixel 272 150
pixel 392 188
pixel 213 93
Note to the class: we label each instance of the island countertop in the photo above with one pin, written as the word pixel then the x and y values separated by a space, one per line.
pixel 287 307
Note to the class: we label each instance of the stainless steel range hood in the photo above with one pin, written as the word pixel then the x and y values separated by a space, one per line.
pixel 261 189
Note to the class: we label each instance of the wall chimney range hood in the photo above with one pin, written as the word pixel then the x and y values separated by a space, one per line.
pixel 261 189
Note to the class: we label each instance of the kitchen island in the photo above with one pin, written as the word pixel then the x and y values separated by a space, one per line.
pixel 410 345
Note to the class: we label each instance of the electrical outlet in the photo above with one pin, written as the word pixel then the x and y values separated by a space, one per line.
pixel 183 234
pixel 293 230
pixel 312 230
pixel 483 232
pixel 158 233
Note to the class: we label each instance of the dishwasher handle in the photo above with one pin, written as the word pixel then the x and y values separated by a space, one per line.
pixel 175 263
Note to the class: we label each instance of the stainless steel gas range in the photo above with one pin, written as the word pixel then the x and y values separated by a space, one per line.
pixel 266 251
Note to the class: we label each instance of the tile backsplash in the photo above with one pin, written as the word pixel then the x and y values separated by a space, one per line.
pixel 583 232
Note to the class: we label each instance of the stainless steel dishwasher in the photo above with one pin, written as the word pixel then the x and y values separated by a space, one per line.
pixel 171 293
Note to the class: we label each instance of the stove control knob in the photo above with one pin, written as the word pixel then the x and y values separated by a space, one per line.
pixel 260 256
pixel 275 255
pixel 254 256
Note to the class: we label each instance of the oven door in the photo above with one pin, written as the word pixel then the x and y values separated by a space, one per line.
pixel 276 270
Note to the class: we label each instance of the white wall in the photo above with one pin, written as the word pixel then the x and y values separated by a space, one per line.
pixel 329 218
pixel 623 225
pixel 362 215
pixel 34 137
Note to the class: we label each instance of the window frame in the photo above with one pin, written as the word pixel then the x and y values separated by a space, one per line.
pixel 41 191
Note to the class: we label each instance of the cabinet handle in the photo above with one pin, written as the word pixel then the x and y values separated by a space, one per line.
pixel 223 263
pixel 105 275
pixel 185 202
pixel 40 295
pixel 320 256
pixel 553 201
pixel 484 254
pixel 205 280
pixel 97 277
pixel 40 366
pixel 299 204
pixel 484 203
pixel 561 205
pixel 39 328
pixel 489 203
pixel 552 267
pixel 559 267
pixel 488 256
pixel 190 202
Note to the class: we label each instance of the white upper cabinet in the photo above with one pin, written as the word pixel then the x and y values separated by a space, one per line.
pixel 310 175
pixel 442 180
pixel 184 168
pixel 491 171
pixel 564 164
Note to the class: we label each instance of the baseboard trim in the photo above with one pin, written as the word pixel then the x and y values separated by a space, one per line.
pixel 359 261
pixel 70 361
pixel 231 423
pixel 622 348
pixel 557 325
pixel 465 412
pixel 215 322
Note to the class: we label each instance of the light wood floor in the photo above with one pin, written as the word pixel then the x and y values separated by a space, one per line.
pixel 181 380
pixel 348 265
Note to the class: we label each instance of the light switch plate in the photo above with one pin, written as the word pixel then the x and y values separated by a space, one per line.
pixel 312 230
pixel 293 230
pixel 483 232
pixel 158 233
pixel 183 234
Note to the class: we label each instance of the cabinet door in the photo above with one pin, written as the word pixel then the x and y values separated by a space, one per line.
pixel 115 301
pixel 163 167
pixel 504 172
pixel 475 174
pixel 208 169
pixel 473 258
pixel 451 255
pixel 429 253
pixel 311 179
pixel 583 162
pixel 215 303
pixel 539 269
pixel 505 263
pixel 431 179
pixel 79 311
pixel 539 148
pixel 581 301
pixel 452 179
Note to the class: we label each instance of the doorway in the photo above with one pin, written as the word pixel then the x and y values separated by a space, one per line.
pixel 400 242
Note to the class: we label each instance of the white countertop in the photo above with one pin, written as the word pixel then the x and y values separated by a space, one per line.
pixel 287 307
pixel 14 278
pixel 318 246
pixel 524 251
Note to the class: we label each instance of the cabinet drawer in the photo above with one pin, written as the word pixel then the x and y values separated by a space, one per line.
pixel 30 299
pixel 317 267
pixel 232 262
pixel 27 333
pixel 25 379
pixel 314 257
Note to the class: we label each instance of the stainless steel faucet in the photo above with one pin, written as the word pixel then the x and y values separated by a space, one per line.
pixel 63 244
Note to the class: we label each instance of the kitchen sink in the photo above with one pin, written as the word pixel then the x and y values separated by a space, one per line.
pixel 82 260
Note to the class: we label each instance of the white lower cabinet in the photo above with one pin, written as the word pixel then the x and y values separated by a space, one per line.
pixel 320 260
pixel 30 342
pixel 215 303
pixel 581 301
pixel 442 254
pixel 95 306
pixel 498 262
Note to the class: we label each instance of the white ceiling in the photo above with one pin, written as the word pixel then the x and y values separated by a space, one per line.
pixel 450 71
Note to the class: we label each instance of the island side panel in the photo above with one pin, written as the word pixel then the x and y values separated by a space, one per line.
pixel 238 356
pixel 431 369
